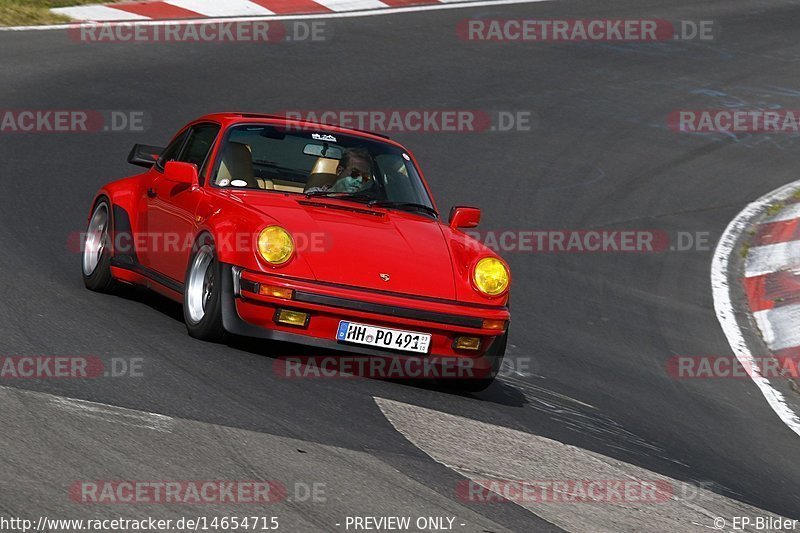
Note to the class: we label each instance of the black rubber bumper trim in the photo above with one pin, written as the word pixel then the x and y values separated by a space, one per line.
pixel 389 310
pixel 249 286
pixel 234 324
pixel 381 309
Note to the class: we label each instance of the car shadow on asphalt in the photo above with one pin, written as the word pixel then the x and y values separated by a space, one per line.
pixel 151 299
pixel 500 392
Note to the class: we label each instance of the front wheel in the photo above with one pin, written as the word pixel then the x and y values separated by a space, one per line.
pixel 96 259
pixel 202 295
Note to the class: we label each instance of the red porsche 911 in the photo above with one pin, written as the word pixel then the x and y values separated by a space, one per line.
pixel 291 230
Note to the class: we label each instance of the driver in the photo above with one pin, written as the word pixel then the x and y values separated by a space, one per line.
pixel 354 173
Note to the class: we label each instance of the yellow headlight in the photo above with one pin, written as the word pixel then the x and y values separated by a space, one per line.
pixel 490 276
pixel 275 245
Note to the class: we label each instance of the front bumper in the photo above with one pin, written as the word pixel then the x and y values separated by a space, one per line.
pixel 248 313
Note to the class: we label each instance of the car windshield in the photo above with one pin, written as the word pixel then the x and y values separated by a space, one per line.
pixel 319 163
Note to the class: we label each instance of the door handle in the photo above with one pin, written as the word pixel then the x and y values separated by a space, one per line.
pixel 151 193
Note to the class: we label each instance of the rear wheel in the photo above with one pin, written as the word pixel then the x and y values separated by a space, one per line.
pixel 202 296
pixel 96 260
pixel 495 355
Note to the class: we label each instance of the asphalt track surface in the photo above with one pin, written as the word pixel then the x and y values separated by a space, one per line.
pixel 599 328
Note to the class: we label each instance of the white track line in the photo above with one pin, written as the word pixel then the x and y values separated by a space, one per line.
pixel 348 14
pixel 351 5
pixel 215 8
pixel 723 304
pixel 114 414
pixel 103 13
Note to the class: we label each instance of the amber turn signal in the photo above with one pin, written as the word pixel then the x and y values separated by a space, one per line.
pixel 499 325
pixel 275 292
pixel 467 343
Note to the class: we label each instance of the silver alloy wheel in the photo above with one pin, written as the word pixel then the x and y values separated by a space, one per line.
pixel 200 283
pixel 96 238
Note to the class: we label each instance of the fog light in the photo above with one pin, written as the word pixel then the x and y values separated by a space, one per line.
pixel 467 343
pixel 275 292
pixel 292 318
pixel 499 325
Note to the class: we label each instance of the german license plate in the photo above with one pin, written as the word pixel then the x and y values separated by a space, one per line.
pixel 396 339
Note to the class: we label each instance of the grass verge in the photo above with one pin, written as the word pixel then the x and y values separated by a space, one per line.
pixel 33 12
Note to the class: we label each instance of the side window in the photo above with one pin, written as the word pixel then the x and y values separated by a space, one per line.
pixel 201 138
pixel 170 153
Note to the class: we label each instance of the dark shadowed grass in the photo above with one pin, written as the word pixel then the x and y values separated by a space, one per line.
pixel 27 12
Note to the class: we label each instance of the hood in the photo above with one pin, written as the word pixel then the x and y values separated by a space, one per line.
pixel 352 244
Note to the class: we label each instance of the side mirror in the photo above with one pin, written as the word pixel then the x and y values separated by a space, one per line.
pixel 464 217
pixel 144 155
pixel 181 172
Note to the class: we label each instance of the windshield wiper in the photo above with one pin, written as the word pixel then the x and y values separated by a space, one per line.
pixel 404 205
pixel 371 201
pixel 361 198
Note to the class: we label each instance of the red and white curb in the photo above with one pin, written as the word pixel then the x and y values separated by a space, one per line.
pixel 771 283
pixel 156 13
pixel 772 280
pixel 200 9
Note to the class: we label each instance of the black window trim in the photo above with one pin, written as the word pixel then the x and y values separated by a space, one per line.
pixel 186 133
pixel 203 167
pixel 182 133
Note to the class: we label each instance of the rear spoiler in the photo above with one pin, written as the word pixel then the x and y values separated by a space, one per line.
pixel 144 155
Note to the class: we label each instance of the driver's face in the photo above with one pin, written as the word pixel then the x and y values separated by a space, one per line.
pixel 355 168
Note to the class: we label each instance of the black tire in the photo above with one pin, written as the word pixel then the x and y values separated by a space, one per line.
pixel 202 305
pixel 495 355
pixel 96 250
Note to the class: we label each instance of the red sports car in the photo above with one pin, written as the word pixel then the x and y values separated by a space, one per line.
pixel 296 231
